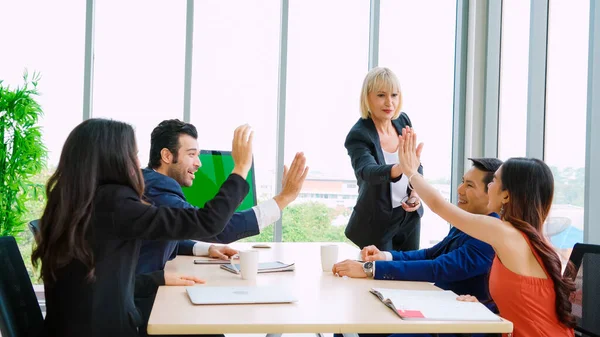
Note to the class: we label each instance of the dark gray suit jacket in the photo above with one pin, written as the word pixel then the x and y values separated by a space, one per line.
pixel 371 220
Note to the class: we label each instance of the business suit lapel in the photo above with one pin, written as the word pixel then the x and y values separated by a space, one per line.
pixel 370 126
pixel 398 126
pixel 372 131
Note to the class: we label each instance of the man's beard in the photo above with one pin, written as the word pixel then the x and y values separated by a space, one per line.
pixel 178 175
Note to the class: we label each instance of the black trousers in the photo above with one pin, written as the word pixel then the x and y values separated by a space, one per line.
pixel 404 233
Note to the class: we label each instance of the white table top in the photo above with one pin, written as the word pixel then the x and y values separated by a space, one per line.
pixel 327 303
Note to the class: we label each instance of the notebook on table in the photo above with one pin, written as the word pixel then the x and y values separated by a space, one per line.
pixel 263 267
pixel 239 295
pixel 433 305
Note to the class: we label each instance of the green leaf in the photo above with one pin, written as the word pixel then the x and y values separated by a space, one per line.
pixel 22 155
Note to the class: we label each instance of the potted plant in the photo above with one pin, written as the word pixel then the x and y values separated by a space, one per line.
pixel 22 153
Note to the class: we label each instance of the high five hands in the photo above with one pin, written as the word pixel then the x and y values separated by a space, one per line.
pixel 292 181
pixel 409 153
pixel 241 150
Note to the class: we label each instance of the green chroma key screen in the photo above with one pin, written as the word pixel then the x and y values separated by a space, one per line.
pixel 216 167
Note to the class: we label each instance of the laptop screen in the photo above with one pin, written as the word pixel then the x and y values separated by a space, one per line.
pixel 216 167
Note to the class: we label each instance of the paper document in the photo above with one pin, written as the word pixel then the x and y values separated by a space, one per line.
pixel 433 305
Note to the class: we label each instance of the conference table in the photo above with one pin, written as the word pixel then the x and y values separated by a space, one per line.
pixel 326 303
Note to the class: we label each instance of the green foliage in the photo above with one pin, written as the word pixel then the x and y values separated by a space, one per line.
pixel 306 222
pixel 35 207
pixel 309 222
pixel 22 154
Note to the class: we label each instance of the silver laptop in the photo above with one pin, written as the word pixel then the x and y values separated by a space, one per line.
pixel 239 295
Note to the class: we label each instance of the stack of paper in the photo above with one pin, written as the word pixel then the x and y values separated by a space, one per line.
pixel 433 305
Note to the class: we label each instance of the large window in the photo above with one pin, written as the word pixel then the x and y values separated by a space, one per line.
pixel 139 64
pixel 54 47
pixel 327 61
pixel 235 63
pixel 514 65
pixel 33 39
pixel 566 95
pixel 417 43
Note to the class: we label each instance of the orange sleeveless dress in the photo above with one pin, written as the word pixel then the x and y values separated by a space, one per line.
pixel 528 302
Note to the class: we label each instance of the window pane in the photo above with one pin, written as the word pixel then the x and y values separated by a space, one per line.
pixel 236 48
pixel 514 65
pixel 139 64
pixel 417 43
pixel 35 40
pixel 327 61
pixel 566 96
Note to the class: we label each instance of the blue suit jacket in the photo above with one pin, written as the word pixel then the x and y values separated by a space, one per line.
pixel 459 263
pixel 162 190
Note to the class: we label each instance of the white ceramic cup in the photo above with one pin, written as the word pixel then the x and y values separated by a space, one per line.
pixel 329 256
pixel 249 264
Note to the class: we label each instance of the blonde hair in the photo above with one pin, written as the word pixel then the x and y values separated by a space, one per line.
pixel 379 78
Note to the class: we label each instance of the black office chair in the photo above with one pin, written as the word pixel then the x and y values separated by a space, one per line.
pixel 20 314
pixel 586 258
pixel 34 227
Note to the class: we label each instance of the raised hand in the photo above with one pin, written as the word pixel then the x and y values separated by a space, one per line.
pixel 371 253
pixel 408 152
pixel 241 150
pixel 292 181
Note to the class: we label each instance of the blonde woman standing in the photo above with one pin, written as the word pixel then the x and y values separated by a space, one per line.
pixel 387 214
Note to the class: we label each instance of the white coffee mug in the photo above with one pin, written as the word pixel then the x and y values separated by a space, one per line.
pixel 329 256
pixel 249 264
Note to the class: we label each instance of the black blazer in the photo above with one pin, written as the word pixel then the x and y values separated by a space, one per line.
pixel 371 218
pixel 105 307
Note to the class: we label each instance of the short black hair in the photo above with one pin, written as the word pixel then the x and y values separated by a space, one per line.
pixel 487 165
pixel 166 135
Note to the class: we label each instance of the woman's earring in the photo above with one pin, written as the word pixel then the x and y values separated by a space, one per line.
pixel 502 211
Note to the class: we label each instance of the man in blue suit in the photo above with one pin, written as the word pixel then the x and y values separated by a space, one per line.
pixel 173 161
pixel 459 262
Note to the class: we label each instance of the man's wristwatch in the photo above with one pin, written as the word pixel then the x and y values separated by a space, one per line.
pixel 368 268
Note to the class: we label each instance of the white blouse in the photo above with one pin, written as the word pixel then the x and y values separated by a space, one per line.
pixel 398 189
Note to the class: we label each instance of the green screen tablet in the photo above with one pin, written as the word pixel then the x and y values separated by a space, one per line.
pixel 216 167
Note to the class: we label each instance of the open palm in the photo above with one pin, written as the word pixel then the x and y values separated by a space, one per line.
pixel 409 153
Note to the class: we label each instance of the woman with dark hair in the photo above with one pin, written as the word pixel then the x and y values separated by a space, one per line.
pixel 525 279
pixel 94 223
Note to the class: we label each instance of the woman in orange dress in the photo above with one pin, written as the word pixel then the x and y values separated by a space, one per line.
pixel 525 279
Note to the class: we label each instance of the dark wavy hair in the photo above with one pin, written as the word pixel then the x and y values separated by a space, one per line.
pixel 97 151
pixel 166 135
pixel 530 185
